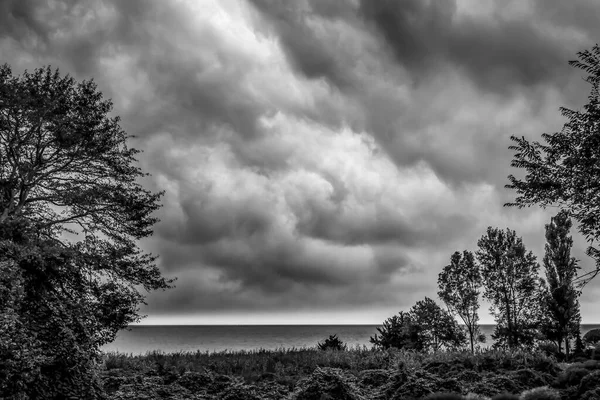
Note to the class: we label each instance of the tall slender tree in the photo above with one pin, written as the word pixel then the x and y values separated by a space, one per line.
pixel 459 284
pixel 561 304
pixel 511 284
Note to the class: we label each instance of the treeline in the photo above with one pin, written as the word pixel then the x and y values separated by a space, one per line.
pixel 527 307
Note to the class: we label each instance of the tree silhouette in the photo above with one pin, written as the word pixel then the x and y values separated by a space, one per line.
pixel 565 170
pixel 437 328
pixel 511 284
pixel 459 284
pixel 561 303
pixel 398 331
pixel 71 213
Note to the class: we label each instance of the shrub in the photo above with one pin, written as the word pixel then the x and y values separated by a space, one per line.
pixel 327 383
pixel 398 331
pixel 571 376
pixel 332 343
pixel 548 348
pixel 590 382
pixel 592 337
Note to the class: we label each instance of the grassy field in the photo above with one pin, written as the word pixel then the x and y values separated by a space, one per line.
pixel 355 374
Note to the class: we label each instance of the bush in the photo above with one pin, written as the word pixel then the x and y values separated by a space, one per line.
pixel 572 376
pixel 590 382
pixel 327 383
pixel 592 337
pixel 550 349
pixel 398 331
pixel 332 343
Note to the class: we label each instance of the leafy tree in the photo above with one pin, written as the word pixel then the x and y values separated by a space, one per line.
pixel 459 284
pixel 511 285
pixel 561 303
pixel 71 213
pixel 437 327
pixel 565 170
pixel 332 343
pixel 398 331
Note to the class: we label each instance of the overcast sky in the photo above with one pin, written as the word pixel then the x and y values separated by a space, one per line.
pixel 321 159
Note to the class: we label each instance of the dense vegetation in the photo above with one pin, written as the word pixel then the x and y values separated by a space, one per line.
pixel 359 373
pixel 71 213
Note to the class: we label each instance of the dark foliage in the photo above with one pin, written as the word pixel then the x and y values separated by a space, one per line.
pixel 561 307
pixel 311 374
pixel 66 172
pixel 459 284
pixel 437 327
pixel 400 332
pixel 511 285
pixel 592 337
pixel 565 170
pixel 332 343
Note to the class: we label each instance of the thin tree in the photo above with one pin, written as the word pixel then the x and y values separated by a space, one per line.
pixel 459 284
pixel 511 285
pixel 562 305
pixel 565 170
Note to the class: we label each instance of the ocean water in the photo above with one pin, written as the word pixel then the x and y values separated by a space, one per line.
pixel 175 338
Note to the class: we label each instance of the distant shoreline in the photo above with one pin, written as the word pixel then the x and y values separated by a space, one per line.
pixel 267 325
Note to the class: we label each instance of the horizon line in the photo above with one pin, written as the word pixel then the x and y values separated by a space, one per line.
pixel 590 323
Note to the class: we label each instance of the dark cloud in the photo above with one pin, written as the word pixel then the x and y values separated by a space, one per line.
pixel 496 52
pixel 317 155
pixel 293 24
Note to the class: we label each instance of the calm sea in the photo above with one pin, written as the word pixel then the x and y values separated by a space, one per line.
pixel 171 338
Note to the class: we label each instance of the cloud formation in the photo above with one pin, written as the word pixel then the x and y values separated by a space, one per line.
pixel 318 155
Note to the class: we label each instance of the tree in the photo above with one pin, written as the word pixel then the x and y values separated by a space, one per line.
pixel 398 331
pixel 71 213
pixel 332 343
pixel 459 284
pixel 437 328
pixel 511 285
pixel 565 171
pixel 561 303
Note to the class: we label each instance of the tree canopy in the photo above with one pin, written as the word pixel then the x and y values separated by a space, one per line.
pixel 459 284
pixel 71 213
pixel 511 285
pixel 564 171
pixel 437 328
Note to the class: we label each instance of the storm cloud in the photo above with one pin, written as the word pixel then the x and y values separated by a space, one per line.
pixel 318 155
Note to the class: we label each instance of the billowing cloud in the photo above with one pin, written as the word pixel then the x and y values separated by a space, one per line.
pixel 318 155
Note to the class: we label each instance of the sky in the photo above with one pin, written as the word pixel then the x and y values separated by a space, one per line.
pixel 321 159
